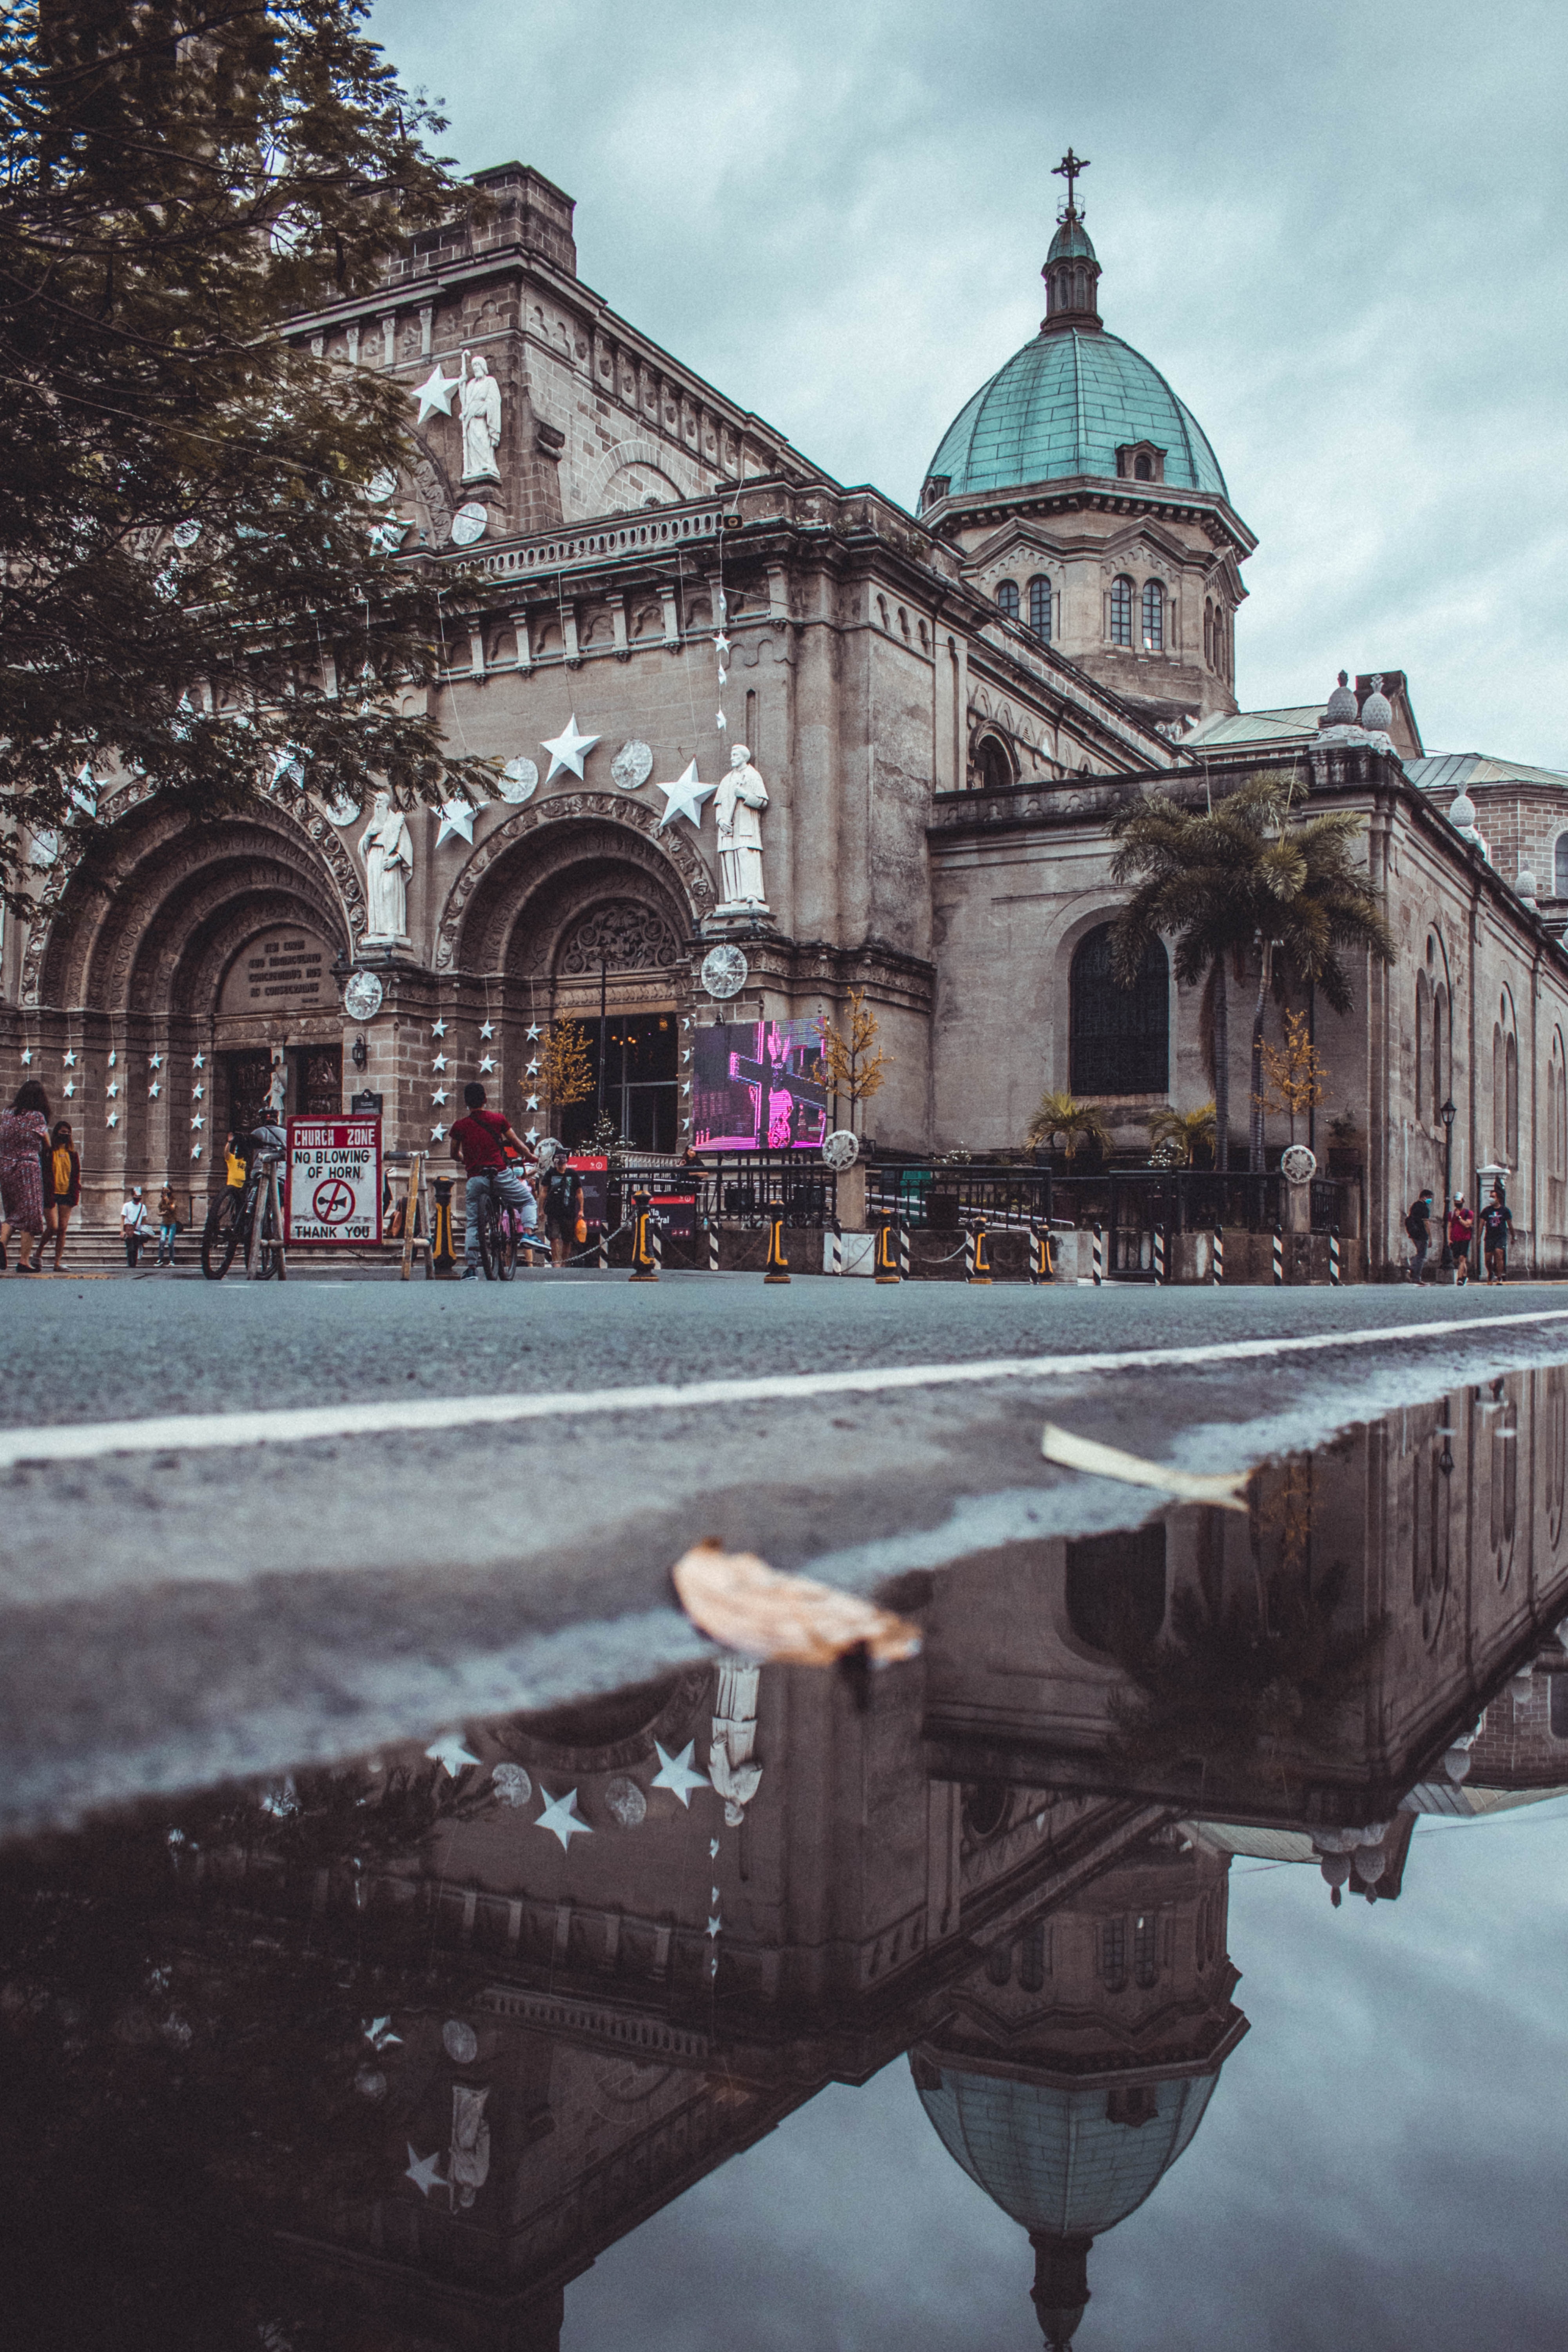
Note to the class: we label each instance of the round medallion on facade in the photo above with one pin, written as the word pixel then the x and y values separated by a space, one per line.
pixel 459 2041
pixel 1297 1164
pixel 362 996
pixel 344 809
pixel 186 533
pixel 632 766
pixel 624 1802
pixel 519 780
pixel 725 972
pixel 512 1784
pixel 841 1149
pixel 469 523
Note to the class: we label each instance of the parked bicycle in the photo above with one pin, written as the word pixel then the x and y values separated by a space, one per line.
pixel 249 1222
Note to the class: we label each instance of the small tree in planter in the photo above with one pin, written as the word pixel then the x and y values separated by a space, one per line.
pixel 852 1063
pixel 1177 1137
pixel 1076 1122
pixel 1293 1072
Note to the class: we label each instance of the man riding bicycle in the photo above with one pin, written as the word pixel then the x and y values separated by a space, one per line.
pixel 481 1139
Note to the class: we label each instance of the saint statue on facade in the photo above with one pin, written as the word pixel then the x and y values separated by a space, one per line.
pixel 386 852
pixel 741 797
pixel 479 406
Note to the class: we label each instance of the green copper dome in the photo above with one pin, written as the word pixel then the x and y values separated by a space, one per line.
pixel 1070 242
pixel 1065 404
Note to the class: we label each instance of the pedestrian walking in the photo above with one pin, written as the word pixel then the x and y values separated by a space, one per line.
pixel 1461 1231
pixel 1418 1225
pixel 481 1139
pixel 1497 1223
pixel 23 1155
pixel 562 1210
pixel 168 1224
pixel 133 1223
pixel 65 1184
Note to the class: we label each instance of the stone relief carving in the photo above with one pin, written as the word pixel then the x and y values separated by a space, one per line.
pixel 619 821
pixel 621 937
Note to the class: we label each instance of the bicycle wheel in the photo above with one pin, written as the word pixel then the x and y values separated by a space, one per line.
pixel 221 1235
pixel 506 1246
pixel 485 1212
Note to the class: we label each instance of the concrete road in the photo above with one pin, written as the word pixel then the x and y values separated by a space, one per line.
pixel 169 1616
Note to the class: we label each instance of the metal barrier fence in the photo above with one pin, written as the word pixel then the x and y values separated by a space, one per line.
pixel 938 1197
pixel 735 1188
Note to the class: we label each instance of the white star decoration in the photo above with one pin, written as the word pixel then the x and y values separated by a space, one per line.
pixel 70 1087
pixel 153 1091
pixel 197 1122
pixel 533 1031
pixel 560 1817
pixel 567 750
pixel 70 1061
pixel 198 1061
pixel 439 1096
pixel 196 1093
pixel 451 1751
pixel 486 1028
pixel 439 1063
pixel 532 1103
pixel 113 1088
pixel 156 1063
pixel 456 822
pixel 27 1056
pixel 487 1063
pixel 113 1119
pixel 379 2033
pixel 437 1132
pixel 438 1028
pixel 722 644
pixel 424 2171
pixel 675 1773
pixel 712 1926
pixel 434 392
pixel 195 1151
pixel 714 1848
pixel 684 798
pixel 113 1059
pixel 530 1135
pixel 533 1070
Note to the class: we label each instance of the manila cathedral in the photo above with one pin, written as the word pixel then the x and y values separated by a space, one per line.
pixel 857 747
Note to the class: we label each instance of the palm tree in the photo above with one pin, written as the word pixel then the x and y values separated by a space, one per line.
pixel 1243 878
pixel 1076 1122
pixel 1188 1131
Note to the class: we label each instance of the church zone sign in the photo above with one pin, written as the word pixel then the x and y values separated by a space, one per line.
pixel 334 1191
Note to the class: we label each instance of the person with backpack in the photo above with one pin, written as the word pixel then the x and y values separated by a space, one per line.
pixel 133 1223
pixel 65 1184
pixel 1417 1225
pixel 24 1151
pixel 563 1209
pixel 1497 1223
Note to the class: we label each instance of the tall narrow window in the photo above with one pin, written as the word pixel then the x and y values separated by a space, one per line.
pixel 1007 597
pixel 1121 610
pixel 1142 471
pixel 1119 1037
pixel 1113 1954
pixel 1208 635
pixel 1423 1028
pixel 1560 867
pixel 1499 1097
pixel 1153 618
pixel 1040 609
pixel 1511 1100
pixel 1440 1050
pixel 1145 1950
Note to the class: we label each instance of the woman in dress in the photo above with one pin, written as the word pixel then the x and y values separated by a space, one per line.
pixel 23 1149
pixel 65 1184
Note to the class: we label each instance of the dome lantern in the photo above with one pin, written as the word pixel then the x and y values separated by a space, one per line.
pixel 1071 271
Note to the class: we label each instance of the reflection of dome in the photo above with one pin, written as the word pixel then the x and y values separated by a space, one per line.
pixel 1052 2158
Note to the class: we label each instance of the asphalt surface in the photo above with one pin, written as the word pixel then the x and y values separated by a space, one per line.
pixel 170 1618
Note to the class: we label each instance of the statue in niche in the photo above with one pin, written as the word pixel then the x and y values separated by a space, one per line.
pixel 386 852
pixel 479 406
pixel 738 804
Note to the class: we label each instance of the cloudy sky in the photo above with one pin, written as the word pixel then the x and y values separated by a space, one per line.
pixel 1339 230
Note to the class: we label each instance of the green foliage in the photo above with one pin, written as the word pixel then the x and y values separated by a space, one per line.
pixel 1076 1122
pixel 1183 1134
pixel 177 179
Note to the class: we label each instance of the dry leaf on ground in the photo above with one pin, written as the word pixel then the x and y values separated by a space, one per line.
pixel 789 1621
pixel 1221 1488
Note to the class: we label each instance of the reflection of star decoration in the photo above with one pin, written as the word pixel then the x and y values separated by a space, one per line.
pixel 156 1063
pixel 379 2033
pixel 199 1062
pixel 153 1091
pixel 437 1133
pixel 439 1063
pixel 486 1028
pixel 675 1773
pixel 567 750
pixel 487 1063
pixel 452 1752
pixel 456 822
pixel 712 1926
pixel 424 2171
pixel 440 1095
pixel 533 1031
pixel 560 1817
pixel 434 392
pixel 69 1061
pixel 438 1028
pixel 684 798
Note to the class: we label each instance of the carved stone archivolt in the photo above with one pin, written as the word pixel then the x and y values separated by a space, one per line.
pixel 571 828
pixel 624 936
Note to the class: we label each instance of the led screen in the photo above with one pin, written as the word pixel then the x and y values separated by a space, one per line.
pixel 753 1089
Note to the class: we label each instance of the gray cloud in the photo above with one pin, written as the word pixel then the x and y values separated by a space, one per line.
pixel 1339 231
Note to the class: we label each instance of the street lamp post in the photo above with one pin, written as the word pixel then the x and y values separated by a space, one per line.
pixel 1448 1114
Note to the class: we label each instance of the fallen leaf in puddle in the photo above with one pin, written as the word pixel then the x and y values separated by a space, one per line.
pixel 1223 1488
pixel 789 1621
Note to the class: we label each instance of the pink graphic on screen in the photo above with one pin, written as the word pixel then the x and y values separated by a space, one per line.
pixel 754 1087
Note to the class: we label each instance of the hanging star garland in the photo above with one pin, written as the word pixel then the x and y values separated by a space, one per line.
pixel 197 1123
pixel 567 750
pixel 198 1061
pixel 379 2033
pixel 69 1061
pixel 437 1133
pixel 533 1032
pixel 197 1093
pixel 438 1098
pixel 530 1135
pixel 70 1088
pixel 531 1103
pixel 714 1925
pixel 434 394
pixel 156 1063
pixel 27 1056
pixel 438 1028
pixel 195 1151
pixel 112 1088
pixel 439 1063
pixel 113 1119
pixel 675 1773
pixel 153 1091
pixel 487 1029
pixel 684 798
pixel 561 1818
pixel 487 1063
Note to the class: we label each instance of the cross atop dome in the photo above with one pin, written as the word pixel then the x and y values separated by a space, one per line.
pixel 1069 169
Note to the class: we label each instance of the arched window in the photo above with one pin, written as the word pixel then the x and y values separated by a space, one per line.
pixel 1440 1050
pixel 1500 1096
pixel 1424 1105
pixel 1153 618
pixel 1142 471
pixel 1040 608
pixel 1007 597
pixel 1116 1589
pixel 1511 1100
pixel 1121 610
pixel 996 769
pixel 1119 1037
pixel 1208 635
pixel 1560 867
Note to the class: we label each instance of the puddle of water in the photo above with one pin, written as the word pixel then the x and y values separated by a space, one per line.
pixel 456 2050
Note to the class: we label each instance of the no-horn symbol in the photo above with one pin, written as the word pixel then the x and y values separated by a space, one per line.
pixel 333 1200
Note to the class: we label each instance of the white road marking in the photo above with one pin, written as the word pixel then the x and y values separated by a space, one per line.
pixel 299 1424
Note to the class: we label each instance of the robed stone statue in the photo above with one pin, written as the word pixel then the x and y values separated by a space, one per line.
pixel 480 406
pixel 386 852
pixel 738 805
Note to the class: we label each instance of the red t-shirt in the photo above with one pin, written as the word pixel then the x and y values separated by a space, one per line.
pixel 478 1136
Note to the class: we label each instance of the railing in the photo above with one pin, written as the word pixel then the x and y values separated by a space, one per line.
pixel 671 528
pixel 734 1188
pixel 1191 1199
pixel 942 1197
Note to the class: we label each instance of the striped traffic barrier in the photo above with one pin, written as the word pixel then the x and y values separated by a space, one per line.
pixel 1159 1254
pixel 835 1247
pixel 645 1265
pixel 887 1253
pixel 655 1238
pixel 1334 1257
pixel 602 1255
pixel 1098 1259
pixel 904 1251
pixel 980 1253
pixel 969 1253
pixel 1039 1254
pixel 1216 1267
pixel 713 1225
pixel 1279 1257
pixel 777 1267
